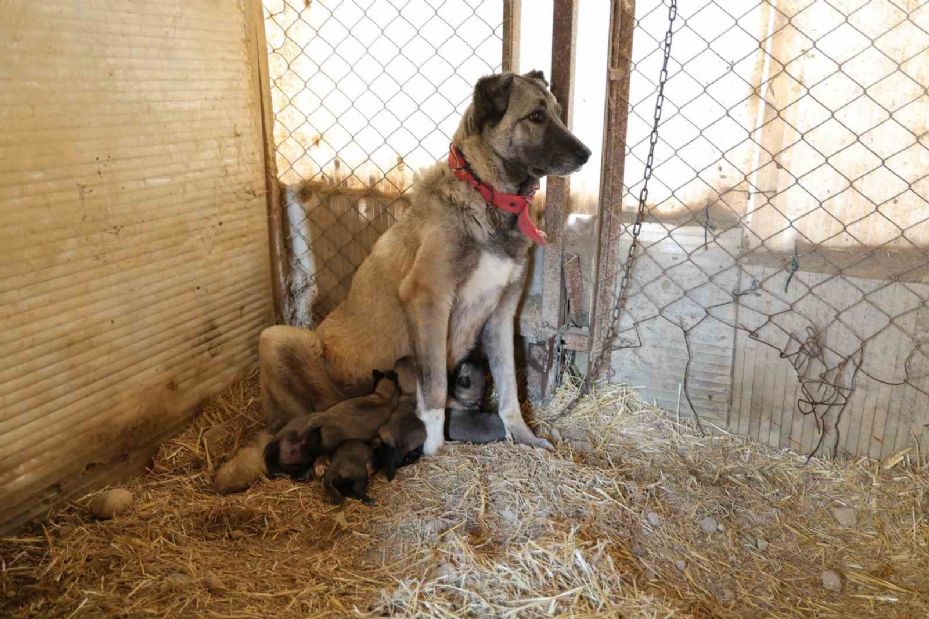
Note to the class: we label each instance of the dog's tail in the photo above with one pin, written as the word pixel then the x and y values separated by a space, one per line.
pixel 247 467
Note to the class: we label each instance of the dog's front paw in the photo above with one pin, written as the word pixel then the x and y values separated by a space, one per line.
pixel 524 436
pixel 434 420
pixel 433 444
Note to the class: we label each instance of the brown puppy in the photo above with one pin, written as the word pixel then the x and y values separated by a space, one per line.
pixel 306 437
pixel 293 450
pixel 401 438
pixel 349 471
pixel 445 278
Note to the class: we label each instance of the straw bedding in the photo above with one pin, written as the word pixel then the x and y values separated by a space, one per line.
pixel 633 515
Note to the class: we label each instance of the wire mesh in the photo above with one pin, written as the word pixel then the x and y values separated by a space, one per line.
pixel 364 92
pixel 784 261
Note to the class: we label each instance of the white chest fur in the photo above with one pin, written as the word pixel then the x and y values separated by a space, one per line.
pixel 487 281
pixel 477 299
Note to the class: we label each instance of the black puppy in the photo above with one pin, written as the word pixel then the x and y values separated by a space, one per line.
pixel 349 471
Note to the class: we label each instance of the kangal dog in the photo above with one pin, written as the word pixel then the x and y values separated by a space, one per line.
pixel 444 279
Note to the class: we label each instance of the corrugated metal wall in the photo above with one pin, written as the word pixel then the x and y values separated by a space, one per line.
pixel 133 230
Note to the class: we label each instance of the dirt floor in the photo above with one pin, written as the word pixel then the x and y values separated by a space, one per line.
pixel 633 515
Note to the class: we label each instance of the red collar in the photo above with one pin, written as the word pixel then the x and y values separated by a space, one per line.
pixel 510 202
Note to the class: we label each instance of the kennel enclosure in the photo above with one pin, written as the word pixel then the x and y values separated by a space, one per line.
pixel 177 177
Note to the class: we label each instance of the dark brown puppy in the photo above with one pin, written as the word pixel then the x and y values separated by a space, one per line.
pixel 349 471
pixel 401 438
pixel 290 453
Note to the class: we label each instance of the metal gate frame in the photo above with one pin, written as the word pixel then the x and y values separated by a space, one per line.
pixel 551 336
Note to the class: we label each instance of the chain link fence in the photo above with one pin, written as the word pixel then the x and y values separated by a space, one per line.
pixel 781 279
pixel 364 93
pixel 780 286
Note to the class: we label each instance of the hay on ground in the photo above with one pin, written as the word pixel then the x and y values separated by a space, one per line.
pixel 633 515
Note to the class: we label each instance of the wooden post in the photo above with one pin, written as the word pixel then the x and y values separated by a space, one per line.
pixel 557 194
pixel 609 267
pixel 279 291
pixel 512 10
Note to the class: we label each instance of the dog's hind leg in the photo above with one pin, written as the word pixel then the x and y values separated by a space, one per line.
pixel 497 338
pixel 294 376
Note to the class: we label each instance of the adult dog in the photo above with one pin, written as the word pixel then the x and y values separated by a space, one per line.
pixel 446 277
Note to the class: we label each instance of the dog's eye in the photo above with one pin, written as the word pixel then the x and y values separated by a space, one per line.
pixel 537 116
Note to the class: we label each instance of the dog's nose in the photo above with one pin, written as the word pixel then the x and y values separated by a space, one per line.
pixel 583 156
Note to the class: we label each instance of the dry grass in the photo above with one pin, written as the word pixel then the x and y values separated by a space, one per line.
pixel 609 525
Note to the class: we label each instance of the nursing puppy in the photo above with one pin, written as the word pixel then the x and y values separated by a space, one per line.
pixel 292 453
pixel 467 391
pixel 400 439
pixel 445 278
pixel 349 471
pixel 293 450
pixel 308 436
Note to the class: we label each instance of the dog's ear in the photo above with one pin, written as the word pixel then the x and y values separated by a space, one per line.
pixel 272 455
pixel 537 75
pixel 491 98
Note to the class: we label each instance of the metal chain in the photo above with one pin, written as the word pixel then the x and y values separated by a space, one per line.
pixel 608 342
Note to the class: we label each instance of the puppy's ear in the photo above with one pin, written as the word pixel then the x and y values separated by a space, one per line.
pixel 536 75
pixel 491 98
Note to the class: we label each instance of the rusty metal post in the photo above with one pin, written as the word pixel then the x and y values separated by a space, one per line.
pixel 512 10
pixel 543 366
pixel 619 70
